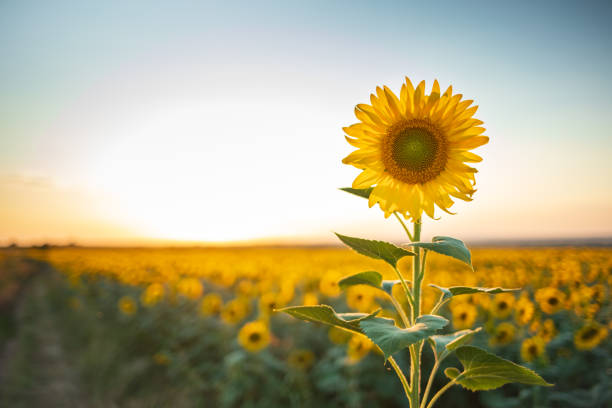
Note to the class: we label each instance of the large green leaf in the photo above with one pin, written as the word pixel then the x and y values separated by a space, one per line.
pixel 449 342
pixel 485 371
pixel 468 290
pixel 327 315
pixel 361 192
pixel 376 249
pixel 390 338
pixel 369 278
pixel 447 246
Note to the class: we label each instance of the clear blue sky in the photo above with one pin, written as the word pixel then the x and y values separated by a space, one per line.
pixel 217 121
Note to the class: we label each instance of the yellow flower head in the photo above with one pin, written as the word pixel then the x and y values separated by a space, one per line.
pixel 358 347
pixel 503 334
pixel 338 336
pixel 464 315
pixel 301 359
pixel 127 305
pixel 211 304
pixel 413 149
pixel 532 348
pixel 524 311
pixel 234 311
pixel 589 336
pixel 191 288
pixel 360 298
pixel 502 304
pixel 152 294
pixel 254 336
pixel 270 301
pixel 328 285
pixel 550 299
pixel 547 331
pixel 310 299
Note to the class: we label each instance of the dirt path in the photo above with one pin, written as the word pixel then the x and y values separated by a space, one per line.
pixel 36 372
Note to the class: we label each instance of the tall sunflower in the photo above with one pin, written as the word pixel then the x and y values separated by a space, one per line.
pixel 413 149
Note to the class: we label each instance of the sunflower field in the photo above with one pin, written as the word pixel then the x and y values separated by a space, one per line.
pixel 198 327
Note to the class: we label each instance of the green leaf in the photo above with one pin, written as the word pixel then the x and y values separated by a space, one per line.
pixel 451 372
pixel 361 192
pixel 468 290
pixel 369 278
pixel 327 315
pixel 376 249
pixel 390 338
pixel 485 371
pixel 447 246
pixel 450 342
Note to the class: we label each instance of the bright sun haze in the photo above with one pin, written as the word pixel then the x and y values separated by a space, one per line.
pixel 187 122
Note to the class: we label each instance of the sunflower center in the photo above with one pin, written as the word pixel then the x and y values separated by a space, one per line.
pixel 589 334
pixel 414 151
pixel 254 337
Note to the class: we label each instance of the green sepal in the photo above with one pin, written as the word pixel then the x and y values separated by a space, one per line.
pixel 447 246
pixel 376 249
pixel 444 344
pixel 485 371
pixel 468 290
pixel 391 339
pixel 327 315
pixel 361 192
pixel 369 278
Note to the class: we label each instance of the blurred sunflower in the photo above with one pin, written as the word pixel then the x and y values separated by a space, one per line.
pixel 338 336
pixel 234 311
pixel 502 305
pixel 503 334
pixel 254 336
pixel 152 295
pixel 358 347
pixel 547 331
pixel 328 285
pixel 301 359
pixel 211 304
pixel 589 336
pixel 532 348
pixel 524 311
pixel 191 288
pixel 550 299
pixel 268 302
pixel 127 305
pixel 464 315
pixel 360 298
pixel 414 149
pixel 310 299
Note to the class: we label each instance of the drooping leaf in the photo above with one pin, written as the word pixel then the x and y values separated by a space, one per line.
pixel 468 290
pixel 376 249
pixel 485 371
pixel 447 246
pixel 390 338
pixel 361 192
pixel 327 315
pixel 369 278
pixel 450 342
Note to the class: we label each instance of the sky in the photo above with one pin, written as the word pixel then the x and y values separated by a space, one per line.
pixel 148 122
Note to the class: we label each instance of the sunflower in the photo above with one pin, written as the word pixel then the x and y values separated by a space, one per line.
pixel 413 149
pixel 504 334
pixel 589 336
pixel 502 305
pixel 550 299
pixel 464 315
pixel 328 286
pixel 211 304
pixel 532 348
pixel 268 302
pixel 301 359
pixel 358 347
pixel 547 331
pixel 254 336
pixel 191 288
pixel 338 336
pixel 524 311
pixel 234 311
pixel 127 305
pixel 152 295
pixel 360 298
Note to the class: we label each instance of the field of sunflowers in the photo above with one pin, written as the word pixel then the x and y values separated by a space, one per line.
pixel 198 327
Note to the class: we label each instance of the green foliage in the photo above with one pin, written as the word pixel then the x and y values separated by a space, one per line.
pixel 391 339
pixel 369 278
pixel 360 192
pixel 450 342
pixel 326 315
pixel 376 249
pixel 485 371
pixel 448 246
pixel 468 290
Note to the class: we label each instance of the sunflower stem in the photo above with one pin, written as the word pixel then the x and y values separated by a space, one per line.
pixel 415 349
pixel 401 376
